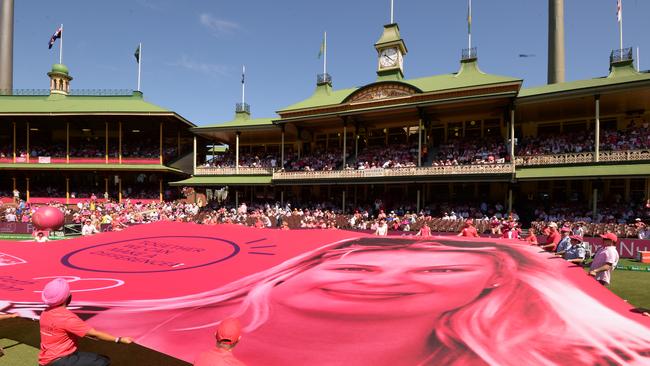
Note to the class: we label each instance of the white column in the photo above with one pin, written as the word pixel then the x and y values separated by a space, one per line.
pixel 194 161
pixel 420 142
pixel 343 203
pixel 237 153
pixel 282 150
pixel 597 132
pixel 512 136
pixel 282 198
pixel 417 204
pixel 345 131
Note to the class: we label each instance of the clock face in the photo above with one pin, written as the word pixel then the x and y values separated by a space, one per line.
pixel 388 57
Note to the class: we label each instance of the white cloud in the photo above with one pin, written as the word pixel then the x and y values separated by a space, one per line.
pixel 218 26
pixel 214 70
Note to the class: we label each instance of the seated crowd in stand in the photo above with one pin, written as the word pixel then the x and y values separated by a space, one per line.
pixel 394 156
pixel 144 149
pixel 466 152
pixel 488 218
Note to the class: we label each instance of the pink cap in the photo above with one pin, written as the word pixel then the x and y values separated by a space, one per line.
pixel 56 292
pixel 229 331
pixel 565 229
pixel 610 236
pixel 577 237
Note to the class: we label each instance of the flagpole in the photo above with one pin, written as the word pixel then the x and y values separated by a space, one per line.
pixel 61 47
pixel 139 63
pixel 391 11
pixel 243 85
pixel 638 60
pixel 469 28
pixel 620 29
pixel 325 54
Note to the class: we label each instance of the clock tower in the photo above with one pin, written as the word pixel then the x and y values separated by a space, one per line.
pixel 390 53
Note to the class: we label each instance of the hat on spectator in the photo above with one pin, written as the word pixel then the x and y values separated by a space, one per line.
pixel 565 229
pixel 552 224
pixel 469 222
pixel 637 219
pixel 610 236
pixel 228 331
pixel 576 237
pixel 56 292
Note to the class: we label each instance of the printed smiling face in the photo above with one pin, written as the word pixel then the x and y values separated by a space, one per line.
pixel 392 283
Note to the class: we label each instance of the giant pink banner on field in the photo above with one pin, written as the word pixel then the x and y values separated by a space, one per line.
pixel 317 297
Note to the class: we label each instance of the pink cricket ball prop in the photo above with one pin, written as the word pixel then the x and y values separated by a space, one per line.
pixel 48 217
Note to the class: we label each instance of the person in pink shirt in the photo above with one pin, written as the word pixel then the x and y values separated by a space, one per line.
pixel 605 260
pixel 469 230
pixel 61 329
pixel 228 335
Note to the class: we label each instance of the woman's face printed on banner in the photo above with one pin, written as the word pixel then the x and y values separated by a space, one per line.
pixel 395 283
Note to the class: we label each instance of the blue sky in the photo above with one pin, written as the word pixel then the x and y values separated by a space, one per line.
pixel 193 49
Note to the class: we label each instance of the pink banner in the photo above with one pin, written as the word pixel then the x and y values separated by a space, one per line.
pixel 330 297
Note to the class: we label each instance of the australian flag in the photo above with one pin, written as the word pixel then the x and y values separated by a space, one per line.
pixel 55 36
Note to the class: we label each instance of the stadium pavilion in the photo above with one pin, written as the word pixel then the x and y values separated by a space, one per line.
pixel 422 115
pixel 65 145
pixel 120 146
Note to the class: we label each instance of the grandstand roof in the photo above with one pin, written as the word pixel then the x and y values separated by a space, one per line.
pixel 81 104
pixel 468 76
pixel 620 74
pixel 242 120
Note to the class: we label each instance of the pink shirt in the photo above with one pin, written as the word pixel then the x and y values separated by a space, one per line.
pixel 605 255
pixel 60 330
pixel 217 357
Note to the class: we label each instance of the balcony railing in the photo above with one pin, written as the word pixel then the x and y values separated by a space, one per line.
pixel 469 54
pixel 233 171
pixel 323 79
pixel 397 172
pixel 242 107
pixel 620 55
pixel 584 157
pixel 45 160
pixel 93 92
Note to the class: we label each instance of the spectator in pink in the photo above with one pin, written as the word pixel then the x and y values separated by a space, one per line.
pixel 228 335
pixel 605 260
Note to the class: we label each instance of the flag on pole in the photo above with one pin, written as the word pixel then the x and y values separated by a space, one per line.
pixel 469 17
pixel 322 49
pixel 137 54
pixel 57 34
pixel 619 10
pixel 243 74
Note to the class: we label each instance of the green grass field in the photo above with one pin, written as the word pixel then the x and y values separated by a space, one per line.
pixel 20 337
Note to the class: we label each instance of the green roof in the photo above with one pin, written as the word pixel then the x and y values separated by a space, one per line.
pixel 241 120
pixel 224 180
pixel 57 103
pixel 619 74
pixel 469 75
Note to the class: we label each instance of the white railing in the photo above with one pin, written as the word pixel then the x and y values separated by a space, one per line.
pixel 539 160
pixel 397 172
pixel 583 157
pixel 233 171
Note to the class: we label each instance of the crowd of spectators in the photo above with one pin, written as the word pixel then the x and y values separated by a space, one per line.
pixel 394 156
pixel 318 160
pixel 488 218
pixel 469 152
pixel 246 160
pixel 634 137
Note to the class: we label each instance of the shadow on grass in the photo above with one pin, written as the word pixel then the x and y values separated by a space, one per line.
pixel 25 331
